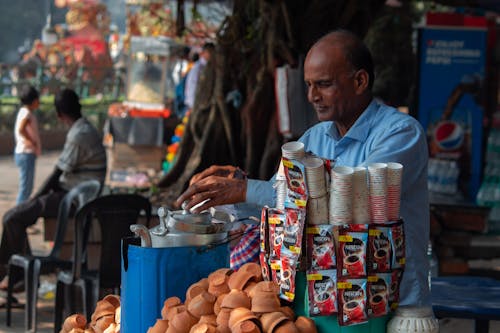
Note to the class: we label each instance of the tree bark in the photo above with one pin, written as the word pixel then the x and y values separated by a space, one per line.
pixel 257 37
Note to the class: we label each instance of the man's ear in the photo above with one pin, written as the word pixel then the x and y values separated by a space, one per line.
pixel 361 81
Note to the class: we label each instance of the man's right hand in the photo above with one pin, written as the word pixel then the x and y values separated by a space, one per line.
pixel 227 171
pixel 217 185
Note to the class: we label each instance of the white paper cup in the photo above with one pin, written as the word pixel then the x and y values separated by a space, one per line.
pixel 394 178
pixel 293 150
pixel 341 195
pixel 361 204
pixel 317 210
pixel 377 173
pixel 394 174
pixel 315 176
pixel 280 187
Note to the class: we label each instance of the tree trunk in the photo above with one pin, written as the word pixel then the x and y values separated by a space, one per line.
pixel 256 38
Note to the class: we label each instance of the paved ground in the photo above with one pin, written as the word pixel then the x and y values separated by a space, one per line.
pixel 8 191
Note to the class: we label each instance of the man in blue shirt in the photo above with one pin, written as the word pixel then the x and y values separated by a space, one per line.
pixel 354 130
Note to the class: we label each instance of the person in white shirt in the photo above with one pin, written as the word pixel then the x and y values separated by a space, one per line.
pixel 194 74
pixel 28 143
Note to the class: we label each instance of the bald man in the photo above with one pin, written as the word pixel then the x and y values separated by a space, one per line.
pixel 354 130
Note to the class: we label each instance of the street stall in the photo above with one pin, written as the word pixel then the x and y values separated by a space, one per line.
pixel 136 129
pixel 332 255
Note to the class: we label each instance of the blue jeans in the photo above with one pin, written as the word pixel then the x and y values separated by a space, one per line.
pixel 26 164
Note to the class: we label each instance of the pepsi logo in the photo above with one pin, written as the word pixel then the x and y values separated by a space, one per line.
pixel 449 135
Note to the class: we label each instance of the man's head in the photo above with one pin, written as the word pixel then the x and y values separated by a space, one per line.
pixel 207 50
pixel 29 96
pixel 338 71
pixel 68 105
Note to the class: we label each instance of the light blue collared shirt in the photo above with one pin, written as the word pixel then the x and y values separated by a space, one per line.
pixel 380 134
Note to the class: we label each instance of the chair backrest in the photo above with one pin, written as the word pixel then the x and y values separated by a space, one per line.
pixel 115 214
pixel 76 198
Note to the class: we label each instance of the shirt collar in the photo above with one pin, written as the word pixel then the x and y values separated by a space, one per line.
pixel 358 131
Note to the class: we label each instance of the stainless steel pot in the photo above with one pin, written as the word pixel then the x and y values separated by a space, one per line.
pixel 181 228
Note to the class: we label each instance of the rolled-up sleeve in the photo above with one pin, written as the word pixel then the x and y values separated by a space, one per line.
pixel 260 192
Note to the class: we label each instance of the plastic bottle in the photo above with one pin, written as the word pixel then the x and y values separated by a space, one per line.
pixel 440 176
pixel 432 174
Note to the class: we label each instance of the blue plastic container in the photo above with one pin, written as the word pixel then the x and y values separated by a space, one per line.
pixel 151 275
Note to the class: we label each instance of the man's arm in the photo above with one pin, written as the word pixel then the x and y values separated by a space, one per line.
pixel 221 185
pixel 51 183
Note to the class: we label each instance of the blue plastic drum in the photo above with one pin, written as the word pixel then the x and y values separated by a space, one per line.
pixel 151 275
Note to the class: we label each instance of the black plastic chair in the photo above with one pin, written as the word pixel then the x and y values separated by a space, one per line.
pixel 114 213
pixel 33 266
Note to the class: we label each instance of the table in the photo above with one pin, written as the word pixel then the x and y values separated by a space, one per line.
pixel 468 297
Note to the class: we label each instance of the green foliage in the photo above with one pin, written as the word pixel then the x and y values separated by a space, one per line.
pixel 94 108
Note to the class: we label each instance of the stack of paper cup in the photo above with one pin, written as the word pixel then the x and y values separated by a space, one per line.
pixel 315 176
pixel 317 210
pixel 280 188
pixel 394 176
pixel 341 195
pixel 317 205
pixel 360 194
pixel 293 150
pixel 378 192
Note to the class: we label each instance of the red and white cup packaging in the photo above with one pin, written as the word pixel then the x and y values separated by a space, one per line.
pixel 352 301
pixel 276 221
pixel 352 253
pixel 378 294
pixel 296 184
pixel 265 268
pixel 287 278
pixel 321 247
pixel 293 231
pixel 396 277
pixel 264 230
pixel 397 238
pixel 322 292
pixel 379 249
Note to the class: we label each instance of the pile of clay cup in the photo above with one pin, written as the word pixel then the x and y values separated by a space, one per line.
pixel 105 319
pixel 231 302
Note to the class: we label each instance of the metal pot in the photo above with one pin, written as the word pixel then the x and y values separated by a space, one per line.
pixel 181 228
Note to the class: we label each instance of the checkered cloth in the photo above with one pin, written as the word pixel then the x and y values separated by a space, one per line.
pixel 247 249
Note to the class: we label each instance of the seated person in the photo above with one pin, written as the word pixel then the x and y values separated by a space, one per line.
pixel 354 129
pixel 82 158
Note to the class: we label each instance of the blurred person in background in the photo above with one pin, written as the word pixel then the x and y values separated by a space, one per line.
pixel 28 143
pixel 83 158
